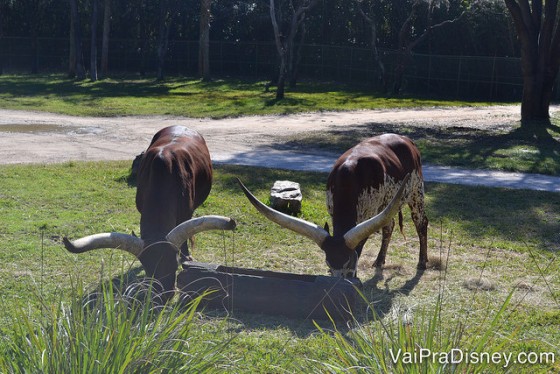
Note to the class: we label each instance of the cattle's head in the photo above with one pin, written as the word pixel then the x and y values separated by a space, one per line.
pixel 159 260
pixel 340 253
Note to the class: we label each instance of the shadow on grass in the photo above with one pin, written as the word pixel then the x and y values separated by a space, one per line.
pixel 259 179
pixel 534 150
pixel 498 215
pixel 66 87
pixel 381 299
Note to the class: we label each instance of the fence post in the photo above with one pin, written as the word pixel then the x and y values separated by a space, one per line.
pixel 322 62
pixel 459 76
pixel 351 64
pixel 493 78
pixel 429 73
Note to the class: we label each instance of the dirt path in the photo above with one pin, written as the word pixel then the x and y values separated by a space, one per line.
pixel 29 137
pixel 32 137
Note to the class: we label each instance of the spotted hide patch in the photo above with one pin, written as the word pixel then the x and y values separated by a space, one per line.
pixel 373 200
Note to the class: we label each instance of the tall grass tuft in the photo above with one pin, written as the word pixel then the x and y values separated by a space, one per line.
pixel 421 343
pixel 111 332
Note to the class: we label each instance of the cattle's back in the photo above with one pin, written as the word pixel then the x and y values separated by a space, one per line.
pixel 178 162
pixel 366 177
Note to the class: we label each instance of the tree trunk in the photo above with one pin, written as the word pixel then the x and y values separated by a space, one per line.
pixel 72 54
pixel 281 84
pixel 35 48
pixel 406 46
pixel 164 25
pixel 296 58
pixel 285 43
pixel 1 36
pixel 534 106
pixel 281 48
pixel 204 45
pixel 93 47
pixel 379 67
pixel 105 41
pixel 76 68
pixel 538 32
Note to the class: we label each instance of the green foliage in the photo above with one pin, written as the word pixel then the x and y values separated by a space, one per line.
pixel 420 343
pixel 333 22
pixel 110 332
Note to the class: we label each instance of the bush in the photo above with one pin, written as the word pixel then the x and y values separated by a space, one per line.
pixel 111 332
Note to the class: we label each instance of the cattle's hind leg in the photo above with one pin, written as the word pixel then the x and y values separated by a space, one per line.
pixel 421 224
pixel 387 232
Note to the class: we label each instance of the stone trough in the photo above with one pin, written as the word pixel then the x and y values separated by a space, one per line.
pixel 269 292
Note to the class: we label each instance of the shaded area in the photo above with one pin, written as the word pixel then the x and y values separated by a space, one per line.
pixel 279 156
pixel 498 215
pixel 382 299
pixel 498 149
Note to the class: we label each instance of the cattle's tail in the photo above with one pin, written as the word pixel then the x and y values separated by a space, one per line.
pixel 401 224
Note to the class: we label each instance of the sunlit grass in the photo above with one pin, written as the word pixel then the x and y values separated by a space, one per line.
pixel 505 238
pixel 182 96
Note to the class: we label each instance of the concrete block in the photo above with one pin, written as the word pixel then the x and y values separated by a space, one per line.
pixel 286 196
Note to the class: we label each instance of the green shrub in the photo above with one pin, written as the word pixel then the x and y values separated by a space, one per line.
pixel 111 332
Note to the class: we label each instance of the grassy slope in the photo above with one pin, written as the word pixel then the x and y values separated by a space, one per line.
pixel 507 239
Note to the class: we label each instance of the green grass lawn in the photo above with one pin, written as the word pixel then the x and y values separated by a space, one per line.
pixel 180 96
pixel 492 241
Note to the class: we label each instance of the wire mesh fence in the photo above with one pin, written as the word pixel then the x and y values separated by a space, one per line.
pixel 456 77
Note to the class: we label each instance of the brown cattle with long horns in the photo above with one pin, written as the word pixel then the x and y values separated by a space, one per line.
pixel 365 190
pixel 174 178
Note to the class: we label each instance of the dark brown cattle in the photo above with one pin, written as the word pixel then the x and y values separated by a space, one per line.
pixel 174 178
pixel 364 192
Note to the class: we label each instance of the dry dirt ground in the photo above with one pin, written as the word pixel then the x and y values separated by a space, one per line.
pixel 38 137
pixel 29 137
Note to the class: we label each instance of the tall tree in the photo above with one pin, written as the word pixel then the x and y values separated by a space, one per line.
pixel 285 38
pixel 105 41
pixel 76 62
pixel 3 11
pixel 411 36
pixel 165 18
pixel 93 46
pixel 204 44
pixel 538 31
pixel 371 19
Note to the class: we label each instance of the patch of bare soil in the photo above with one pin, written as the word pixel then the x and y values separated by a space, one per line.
pixel 32 137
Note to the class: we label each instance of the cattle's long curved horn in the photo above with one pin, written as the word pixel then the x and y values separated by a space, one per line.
pixel 362 231
pixel 128 243
pixel 185 230
pixel 302 227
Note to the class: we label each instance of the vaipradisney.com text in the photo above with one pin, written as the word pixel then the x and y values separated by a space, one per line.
pixel 458 356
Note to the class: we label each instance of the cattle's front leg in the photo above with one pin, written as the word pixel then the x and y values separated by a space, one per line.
pixel 387 232
pixel 185 254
